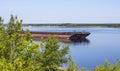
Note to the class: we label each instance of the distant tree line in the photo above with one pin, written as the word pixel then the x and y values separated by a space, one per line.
pixel 76 25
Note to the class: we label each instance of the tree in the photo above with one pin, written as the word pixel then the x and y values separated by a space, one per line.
pixel 73 66
pixel 23 54
pixel 108 67
pixel 16 53
pixel 52 55
pixel 1 23
pixel 14 25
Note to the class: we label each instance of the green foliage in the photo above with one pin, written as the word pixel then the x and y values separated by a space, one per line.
pixel 52 55
pixel 1 21
pixel 23 54
pixel 73 66
pixel 14 25
pixel 108 67
pixel 28 35
pixel 16 53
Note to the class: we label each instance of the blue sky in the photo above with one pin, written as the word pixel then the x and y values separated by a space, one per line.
pixel 62 11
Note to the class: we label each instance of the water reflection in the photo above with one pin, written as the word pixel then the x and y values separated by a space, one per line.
pixel 84 41
pixel 81 41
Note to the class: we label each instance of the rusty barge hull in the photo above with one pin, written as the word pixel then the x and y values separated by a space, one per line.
pixel 62 36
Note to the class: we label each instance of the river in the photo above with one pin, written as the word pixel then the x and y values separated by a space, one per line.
pixel 103 44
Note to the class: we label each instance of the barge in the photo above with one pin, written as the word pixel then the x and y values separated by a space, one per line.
pixel 62 36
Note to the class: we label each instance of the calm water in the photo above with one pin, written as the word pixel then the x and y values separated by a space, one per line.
pixel 101 45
